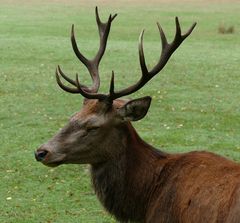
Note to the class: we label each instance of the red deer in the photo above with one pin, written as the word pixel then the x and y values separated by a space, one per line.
pixel 134 181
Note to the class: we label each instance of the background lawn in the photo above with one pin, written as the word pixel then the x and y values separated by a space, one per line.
pixel 195 98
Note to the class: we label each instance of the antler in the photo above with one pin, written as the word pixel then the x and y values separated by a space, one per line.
pixel 92 65
pixel 167 51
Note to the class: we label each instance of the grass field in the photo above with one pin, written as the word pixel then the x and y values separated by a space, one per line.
pixel 195 99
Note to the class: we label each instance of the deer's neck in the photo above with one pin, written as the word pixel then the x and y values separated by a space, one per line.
pixel 123 184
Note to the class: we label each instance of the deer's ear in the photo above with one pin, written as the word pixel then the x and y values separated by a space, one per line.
pixel 135 110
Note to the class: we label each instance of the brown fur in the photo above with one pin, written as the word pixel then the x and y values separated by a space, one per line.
pixel 146 185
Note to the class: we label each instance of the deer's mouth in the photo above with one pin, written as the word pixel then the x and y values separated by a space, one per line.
pixel 49 159
pixel 53 164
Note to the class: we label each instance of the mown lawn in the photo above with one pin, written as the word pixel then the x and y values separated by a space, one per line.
pixel 195 98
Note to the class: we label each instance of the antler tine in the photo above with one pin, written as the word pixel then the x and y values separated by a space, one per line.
pixel 103 29
pixel 167 51
pixel 162 35
pixel 111 89
pixel 184 36
pixel 65 77
pixel 79 55
pixel 88 95
pixel 141 54
pixel 91 66
pixel 61 85
pixel 179 37
pixel 69 79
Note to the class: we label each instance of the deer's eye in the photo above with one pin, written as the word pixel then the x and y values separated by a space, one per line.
pixel 92 128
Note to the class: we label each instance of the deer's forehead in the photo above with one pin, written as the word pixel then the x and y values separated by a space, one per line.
pixel 84 113
pixel 93 108
pixel 89 119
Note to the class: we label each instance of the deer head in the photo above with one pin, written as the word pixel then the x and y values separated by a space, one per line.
pixel 98 131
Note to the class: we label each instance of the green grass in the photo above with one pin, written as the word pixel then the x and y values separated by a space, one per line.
pixel 195 98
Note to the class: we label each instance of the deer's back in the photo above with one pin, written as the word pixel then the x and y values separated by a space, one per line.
pixel 196 187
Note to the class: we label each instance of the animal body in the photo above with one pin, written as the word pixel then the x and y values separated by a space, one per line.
pixel 134 181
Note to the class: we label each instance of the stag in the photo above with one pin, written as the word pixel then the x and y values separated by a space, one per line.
pixel 134 181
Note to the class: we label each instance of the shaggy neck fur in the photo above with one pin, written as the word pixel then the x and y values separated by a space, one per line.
pixel 124 183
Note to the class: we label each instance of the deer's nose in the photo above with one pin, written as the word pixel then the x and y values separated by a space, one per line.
pixel 40 154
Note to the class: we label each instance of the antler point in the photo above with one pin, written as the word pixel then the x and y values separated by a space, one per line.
pixel 141 35
pixel 59 69
pixel 159 26
pixel 114 16
pixel 72 30
pixel 96 10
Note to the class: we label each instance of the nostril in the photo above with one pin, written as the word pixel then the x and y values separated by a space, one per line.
pixel 40 155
